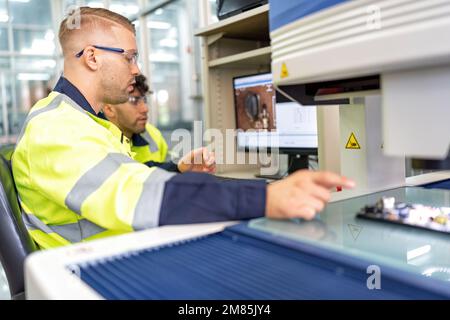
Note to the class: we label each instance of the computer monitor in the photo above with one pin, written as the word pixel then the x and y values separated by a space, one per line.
pixel 267 119
pixel 228 8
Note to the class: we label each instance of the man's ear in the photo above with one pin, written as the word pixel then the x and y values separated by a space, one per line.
pixel 109 111
pixel 90 59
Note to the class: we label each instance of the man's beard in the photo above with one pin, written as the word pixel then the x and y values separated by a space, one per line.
pixel 112 93
pixel 114 96
pixel 140 131
pixel 115 100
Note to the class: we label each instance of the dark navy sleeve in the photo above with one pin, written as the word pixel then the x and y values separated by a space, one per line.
pixel 199 197
pixel 168 166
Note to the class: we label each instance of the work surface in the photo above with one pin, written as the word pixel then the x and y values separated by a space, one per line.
pixel 410 249
pixel 338 246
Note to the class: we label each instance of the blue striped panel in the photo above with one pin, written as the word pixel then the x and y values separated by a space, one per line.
pixel 233 265
pixel 445 184
pixel 283 12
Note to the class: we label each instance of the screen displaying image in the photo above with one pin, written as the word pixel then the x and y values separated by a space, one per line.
pixel 254 101
pixel 268 120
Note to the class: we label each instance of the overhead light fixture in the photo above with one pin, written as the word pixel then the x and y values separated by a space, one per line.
pixel 95 4
pixel 162 57
pixel 49 35
pixel 173 33
pixel 128 10
pixel 158 25
pixel 162 96
pixel 40 46
pixel 170 43
pixel 4 16
pixel 33 76
pixel 43 64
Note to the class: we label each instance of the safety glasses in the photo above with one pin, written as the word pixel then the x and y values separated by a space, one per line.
pixel 135 100
pixel 131 56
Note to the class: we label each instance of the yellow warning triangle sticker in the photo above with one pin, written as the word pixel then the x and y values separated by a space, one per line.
pixel 352 143
pixel 284 71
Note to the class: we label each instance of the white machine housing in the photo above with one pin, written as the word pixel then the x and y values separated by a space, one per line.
pixel 406 42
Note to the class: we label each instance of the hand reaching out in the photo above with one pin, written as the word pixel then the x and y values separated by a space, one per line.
pixel 198 160
pixel 302 194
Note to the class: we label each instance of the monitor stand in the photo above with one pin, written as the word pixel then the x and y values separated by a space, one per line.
pixel 277 176
pixel 295 162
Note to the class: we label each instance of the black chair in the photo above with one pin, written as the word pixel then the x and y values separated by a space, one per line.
pixel 15 241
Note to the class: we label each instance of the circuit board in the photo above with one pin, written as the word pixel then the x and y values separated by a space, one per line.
pixel 415 215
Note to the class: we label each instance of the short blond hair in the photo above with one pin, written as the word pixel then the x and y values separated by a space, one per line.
pixel 89 19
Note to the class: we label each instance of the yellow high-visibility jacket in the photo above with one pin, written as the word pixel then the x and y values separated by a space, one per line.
pixel 76 179
pixel 149 146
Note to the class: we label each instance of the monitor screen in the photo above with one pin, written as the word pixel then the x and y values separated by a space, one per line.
pixel 266 119
pixel 228 8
